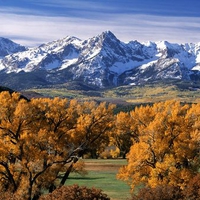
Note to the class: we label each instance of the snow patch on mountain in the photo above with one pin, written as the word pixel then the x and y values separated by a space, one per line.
pixel 67 63
pixel 145 66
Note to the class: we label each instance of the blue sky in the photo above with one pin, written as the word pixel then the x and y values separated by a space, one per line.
pixel 32 22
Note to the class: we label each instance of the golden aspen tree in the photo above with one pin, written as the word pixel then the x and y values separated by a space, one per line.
pixel 167 151
pixel 42 138
pixel 124 133
pixel 92 129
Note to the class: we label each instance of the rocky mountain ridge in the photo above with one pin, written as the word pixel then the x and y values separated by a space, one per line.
pixel 9 47
pixel 101 61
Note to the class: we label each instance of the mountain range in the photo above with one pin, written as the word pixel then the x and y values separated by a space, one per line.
pixel 99 62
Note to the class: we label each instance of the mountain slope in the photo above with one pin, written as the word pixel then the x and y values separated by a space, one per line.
pixel 101 61
pixel 9 47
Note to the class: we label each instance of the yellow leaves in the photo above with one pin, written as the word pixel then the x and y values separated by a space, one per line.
pixel 94 120
pixel 137 169
pixel 55 108
pixel 123 122
pixel 115 152
pixel 8 99
pixel 40 136
pixel 138 153
pixel 168 144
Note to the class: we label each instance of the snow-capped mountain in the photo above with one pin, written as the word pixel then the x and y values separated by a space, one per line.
pixel 8 47
pixel 100 61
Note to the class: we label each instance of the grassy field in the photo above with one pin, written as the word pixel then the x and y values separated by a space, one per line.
pixel 129 95
pixel 153 93
pixel 102 175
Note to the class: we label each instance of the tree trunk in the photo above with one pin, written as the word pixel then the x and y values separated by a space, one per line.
pixel 36 197
pixel 94 153
pixel 74 160
pixel 65 177
pixel 52 188
pixel 30 192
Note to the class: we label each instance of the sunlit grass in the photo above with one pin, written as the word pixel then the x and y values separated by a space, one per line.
pixel 51 92
pixel 128 94
pixel 102 175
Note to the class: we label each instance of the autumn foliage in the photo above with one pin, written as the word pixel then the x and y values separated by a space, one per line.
pixel 169 192
pixel 167 149
pixel 124 134
pixel 43 138
pixel 41 141
pixel 160 192
pixel 75 192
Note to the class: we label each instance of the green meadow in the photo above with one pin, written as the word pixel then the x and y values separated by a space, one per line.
pixel 102 174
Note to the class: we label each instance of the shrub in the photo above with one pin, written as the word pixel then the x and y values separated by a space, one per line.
pixel 75 192
pixel 105 154
pixel 166 192
pixel 192 190
pixel 161 192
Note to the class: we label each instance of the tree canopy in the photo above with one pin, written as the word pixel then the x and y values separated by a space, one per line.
pixel 168 147
pixel 41 138
pixel 41 141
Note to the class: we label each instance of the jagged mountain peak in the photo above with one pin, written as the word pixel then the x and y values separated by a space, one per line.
pixel 107 34
pixel 104 45
pixel 61 43
pixel 135 43
pixel 167 45
pixel 8 47
pixel 106 38
pixel 4 41
pixel 168 49
pixel 8 42
pixel 191 47
pixel 102 61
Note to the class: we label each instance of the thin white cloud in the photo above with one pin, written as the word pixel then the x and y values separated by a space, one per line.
pixel 32 30
pixel 73 4
pixel 174 29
